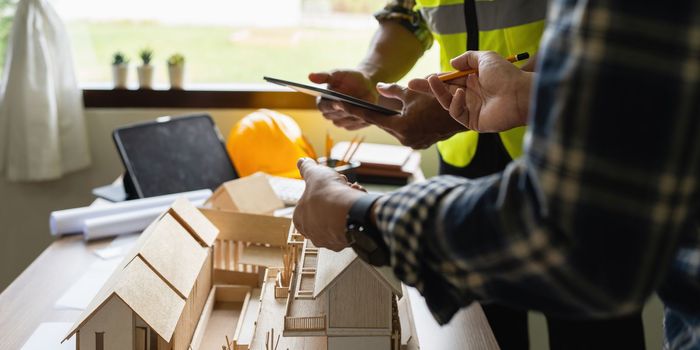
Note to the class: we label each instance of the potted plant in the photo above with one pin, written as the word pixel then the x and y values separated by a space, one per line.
pixel 145 71
pixel 176 70
pixel 120 70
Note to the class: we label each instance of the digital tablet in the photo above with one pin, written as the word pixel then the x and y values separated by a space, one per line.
pixel 331 95
pixel 171 155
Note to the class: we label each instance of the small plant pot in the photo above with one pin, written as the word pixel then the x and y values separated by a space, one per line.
pixel 120 73
pixel 176 73
pixel 145 73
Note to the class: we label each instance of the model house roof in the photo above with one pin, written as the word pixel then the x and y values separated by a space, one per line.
pixel 251 194
pixel 156 278
pixel 332 265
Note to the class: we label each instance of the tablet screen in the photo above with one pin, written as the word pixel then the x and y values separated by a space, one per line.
pixel 331 95
pixel 174 155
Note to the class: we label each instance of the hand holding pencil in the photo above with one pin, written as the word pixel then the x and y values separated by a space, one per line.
pixel 496 99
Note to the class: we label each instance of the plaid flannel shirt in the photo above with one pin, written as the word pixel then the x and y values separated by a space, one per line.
pixel 602 210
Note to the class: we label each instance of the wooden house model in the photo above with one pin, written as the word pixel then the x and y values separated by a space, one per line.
pixel 155 298
pixel 181 270
pixel 335 301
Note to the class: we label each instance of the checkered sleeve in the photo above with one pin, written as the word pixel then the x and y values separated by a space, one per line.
pixel 403 11
pixel 601 210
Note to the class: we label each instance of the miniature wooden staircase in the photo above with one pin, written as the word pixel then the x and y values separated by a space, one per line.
pixel 306 278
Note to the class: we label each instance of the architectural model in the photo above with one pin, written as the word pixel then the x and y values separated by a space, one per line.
pixel 219 278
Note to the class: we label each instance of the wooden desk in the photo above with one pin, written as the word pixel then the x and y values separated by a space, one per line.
pixel 30 300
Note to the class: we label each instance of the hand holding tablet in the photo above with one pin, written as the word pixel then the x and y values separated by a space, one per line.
pixel 331 95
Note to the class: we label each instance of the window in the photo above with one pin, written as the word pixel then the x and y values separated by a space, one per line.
pixel 223 41
pixel 99 340
pixel 7 10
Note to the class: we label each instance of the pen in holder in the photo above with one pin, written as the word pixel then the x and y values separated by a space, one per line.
pixel 345 168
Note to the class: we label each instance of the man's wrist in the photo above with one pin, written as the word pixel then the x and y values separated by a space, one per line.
pixel 371 71
pixel 522 94
pixel 362 233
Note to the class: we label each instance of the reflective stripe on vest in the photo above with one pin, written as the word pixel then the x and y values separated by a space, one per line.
pixel 506 27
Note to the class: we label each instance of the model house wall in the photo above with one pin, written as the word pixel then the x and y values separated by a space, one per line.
pixel 115 323
pixel 354 291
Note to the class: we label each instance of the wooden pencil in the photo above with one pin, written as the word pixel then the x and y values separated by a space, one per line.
pixel 352 154
pixel 347 151
pixel 461 73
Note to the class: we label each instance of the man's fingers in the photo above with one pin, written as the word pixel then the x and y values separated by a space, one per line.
pixel 392 90
pixel 473 102
pixel 457 108
pixel 328 106
pixel 467 60
pixel 356 126
pixel 319 77
pixel 350 123
pixel 440 91
pixel 420 85
pixel 371 117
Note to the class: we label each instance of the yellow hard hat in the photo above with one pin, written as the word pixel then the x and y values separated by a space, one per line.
pixel 267 141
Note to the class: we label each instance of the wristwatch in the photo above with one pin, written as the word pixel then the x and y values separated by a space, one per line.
pixel 363 236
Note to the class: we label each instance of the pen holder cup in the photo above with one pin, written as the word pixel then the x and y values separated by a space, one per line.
pixel 347 169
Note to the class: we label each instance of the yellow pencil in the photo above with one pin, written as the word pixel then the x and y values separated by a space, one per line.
pixel 329 145
pixel 461 73
pixel 347 151
pixel 362 139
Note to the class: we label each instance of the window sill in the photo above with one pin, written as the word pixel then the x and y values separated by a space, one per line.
pixel 198 96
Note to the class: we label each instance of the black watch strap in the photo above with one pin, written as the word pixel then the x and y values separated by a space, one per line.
pixel 363 236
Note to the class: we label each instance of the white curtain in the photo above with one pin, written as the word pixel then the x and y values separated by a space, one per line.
pixel 42 126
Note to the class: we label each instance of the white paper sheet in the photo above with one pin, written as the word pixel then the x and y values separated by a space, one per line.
pixel 119 246
pixel 81 293
pixel 48 336
pixel 73 220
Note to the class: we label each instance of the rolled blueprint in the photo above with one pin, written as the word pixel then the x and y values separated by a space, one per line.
pixel 72 220
pixel 123 223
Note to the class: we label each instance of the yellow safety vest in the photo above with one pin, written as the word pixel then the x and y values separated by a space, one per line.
pixel 506 27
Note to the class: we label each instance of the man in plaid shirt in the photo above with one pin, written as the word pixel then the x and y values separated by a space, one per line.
pixel 600 212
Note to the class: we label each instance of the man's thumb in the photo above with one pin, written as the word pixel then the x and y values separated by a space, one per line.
pixel 466 61
pixel 304 165
pixel 319 78
pixel 391 90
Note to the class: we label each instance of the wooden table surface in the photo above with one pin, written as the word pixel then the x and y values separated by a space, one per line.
pixel 30 300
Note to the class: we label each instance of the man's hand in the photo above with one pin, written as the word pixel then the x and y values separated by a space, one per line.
pixel 495 99
pixel 422 120
pixel 349 82
pixel 321 212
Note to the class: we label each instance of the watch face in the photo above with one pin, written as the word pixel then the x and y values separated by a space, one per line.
pixel 365 247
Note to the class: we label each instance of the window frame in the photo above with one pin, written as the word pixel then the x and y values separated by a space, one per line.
pixel 197 98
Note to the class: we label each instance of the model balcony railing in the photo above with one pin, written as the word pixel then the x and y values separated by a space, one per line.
pixel 309 323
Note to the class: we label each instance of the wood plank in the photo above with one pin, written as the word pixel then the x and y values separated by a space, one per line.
pixel 253 194
pixel 201 328
pixel 174 254
pixel 226 293
pixel 194 221
pixel 236 277
pixel 253 228
pixel 262 256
